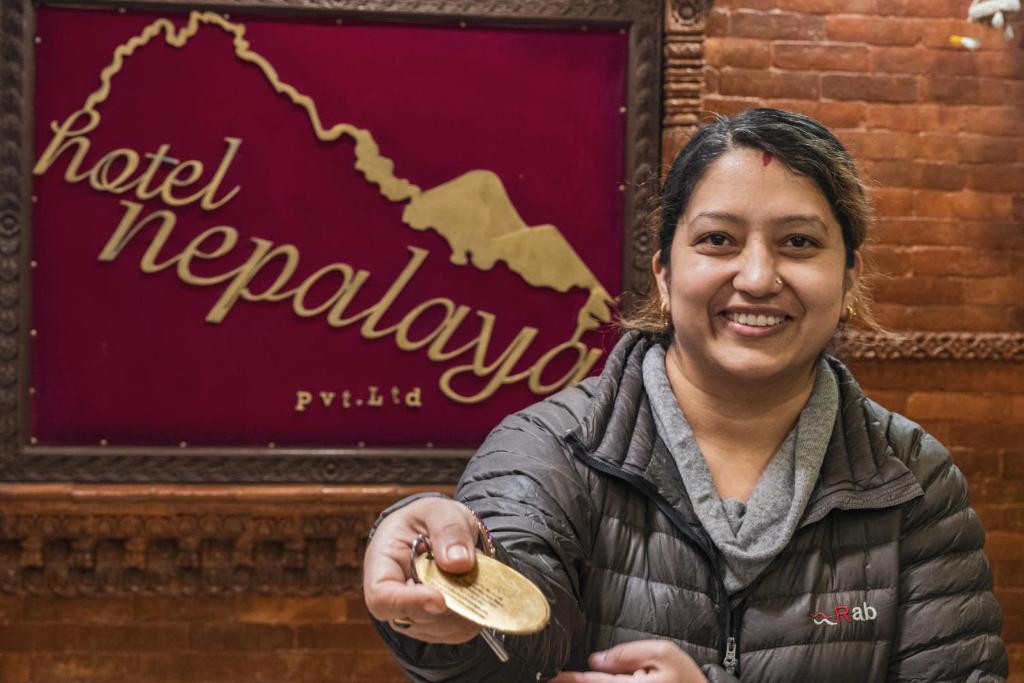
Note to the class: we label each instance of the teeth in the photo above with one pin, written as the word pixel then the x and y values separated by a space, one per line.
pixel 755 320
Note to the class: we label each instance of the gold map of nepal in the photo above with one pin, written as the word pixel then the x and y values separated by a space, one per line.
pixel 472 212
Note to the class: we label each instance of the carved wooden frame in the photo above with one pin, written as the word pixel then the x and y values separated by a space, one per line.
pixel 23 461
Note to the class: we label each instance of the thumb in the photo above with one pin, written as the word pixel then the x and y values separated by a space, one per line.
pixel 453 531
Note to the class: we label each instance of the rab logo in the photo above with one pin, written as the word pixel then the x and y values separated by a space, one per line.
pixel 863 613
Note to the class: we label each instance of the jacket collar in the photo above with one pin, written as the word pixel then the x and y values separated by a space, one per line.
pixel 860 470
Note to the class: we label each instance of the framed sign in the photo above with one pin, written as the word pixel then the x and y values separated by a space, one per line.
pixel 297 241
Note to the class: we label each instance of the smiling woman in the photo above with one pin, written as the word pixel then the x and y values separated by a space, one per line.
pixel 724 499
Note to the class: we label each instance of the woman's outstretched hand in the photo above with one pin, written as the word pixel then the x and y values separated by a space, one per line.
pixel 642 661
pixel 412 609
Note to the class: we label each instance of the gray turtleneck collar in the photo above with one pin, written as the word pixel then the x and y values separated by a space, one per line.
pixel 748 535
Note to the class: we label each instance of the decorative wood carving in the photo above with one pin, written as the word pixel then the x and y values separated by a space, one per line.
pixel 185 541
pixel 965 346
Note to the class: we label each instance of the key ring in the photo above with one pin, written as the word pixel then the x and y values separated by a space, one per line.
pixel 417 542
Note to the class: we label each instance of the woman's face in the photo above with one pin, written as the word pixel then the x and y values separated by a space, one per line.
pixel 757 280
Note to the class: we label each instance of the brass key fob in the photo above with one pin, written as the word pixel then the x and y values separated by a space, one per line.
pixel 492 595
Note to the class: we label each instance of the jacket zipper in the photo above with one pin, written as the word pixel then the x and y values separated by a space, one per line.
pixel 729 651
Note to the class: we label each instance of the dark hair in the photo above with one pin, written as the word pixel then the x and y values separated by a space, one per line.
pixel 803 145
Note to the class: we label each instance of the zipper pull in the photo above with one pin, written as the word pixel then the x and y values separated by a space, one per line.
pixel 730 655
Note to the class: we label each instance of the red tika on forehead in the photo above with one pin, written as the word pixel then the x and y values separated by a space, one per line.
pixel 766 158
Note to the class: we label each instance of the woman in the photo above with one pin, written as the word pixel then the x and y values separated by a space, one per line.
pixel 723 502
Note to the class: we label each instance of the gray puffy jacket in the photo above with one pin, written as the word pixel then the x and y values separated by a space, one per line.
pixel 884 579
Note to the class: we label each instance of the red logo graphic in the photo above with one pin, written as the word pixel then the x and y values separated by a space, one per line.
pixel 863 612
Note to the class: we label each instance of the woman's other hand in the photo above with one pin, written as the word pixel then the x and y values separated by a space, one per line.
pixel 412 609
pixel 642 661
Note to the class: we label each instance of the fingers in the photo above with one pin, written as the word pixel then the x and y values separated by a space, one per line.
pixel 629 657
pixel 591 677
pixel 648 656
pixel 453 532
pixel 398 599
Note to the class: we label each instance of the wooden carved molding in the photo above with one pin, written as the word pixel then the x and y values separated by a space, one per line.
pixel 181 540
pixel 964 346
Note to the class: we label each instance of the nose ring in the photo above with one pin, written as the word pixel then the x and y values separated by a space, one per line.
pixel 778 281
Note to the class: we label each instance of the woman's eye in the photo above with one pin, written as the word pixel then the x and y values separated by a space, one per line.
pixel 715 239
pixel 800 241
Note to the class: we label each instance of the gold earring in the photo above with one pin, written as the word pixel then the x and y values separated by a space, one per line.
pixel 851 311
pixel 664 308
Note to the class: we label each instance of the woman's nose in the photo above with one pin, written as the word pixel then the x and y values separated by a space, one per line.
pixel 756 271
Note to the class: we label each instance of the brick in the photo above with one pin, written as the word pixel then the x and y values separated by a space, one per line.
pixel 747 4
pixel 995 177
pixel 277 609
pixel 989 291
pixel 921 8
pixel 1013 465
pixel 892 400
pixel 942 375
pixel 971 262
pixel 243 637
pixel 999 64
pixel 106 667
pixel 978 149
pixel 945 232
pixel 1013 624
pixel 940 318
pixel 879 144
pixel 828 6
pixel 919 290
pixel 15 668
pixel 757 83
pixel 893 201
pixel 942 176
pixel 973 204
pixel 11 609
pixel 750 54
pixel 718 23
pixel 869 88
pixel 1016 660
pixel 103 609
pixel 936 147
pixel 37 638
pixel 336 636
pixel 890 261
pixel 727 106
pixel 132 637
pixel 911 174
pixel 712 78
pixel 209 667
pixel 960 407
pixel 935 34
pixel 819 56
pixel 992 437
pixel 853 29
pixel 976 465
pixel 842 114
pixel 776 26
pixel 994 120
pixel 913 117
pixel 959 90
pixel 1000 491
pixel 918 60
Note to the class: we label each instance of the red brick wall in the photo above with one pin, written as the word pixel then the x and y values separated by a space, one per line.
pixel 255 639
pixel 940 132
